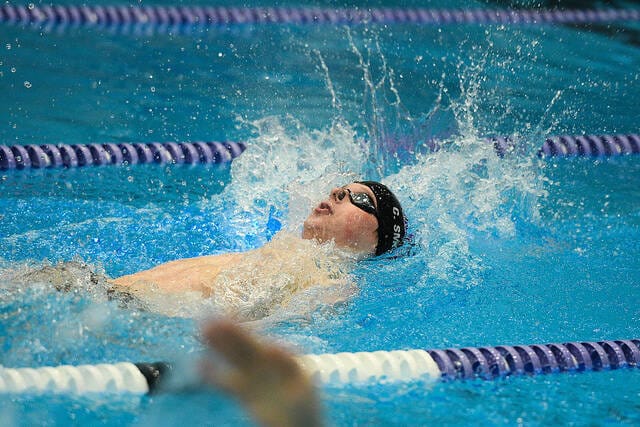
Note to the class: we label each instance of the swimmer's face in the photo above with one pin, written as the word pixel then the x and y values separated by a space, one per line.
pixel 338 219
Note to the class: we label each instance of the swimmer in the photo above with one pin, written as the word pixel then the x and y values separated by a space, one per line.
pixel 356 221
pixel 360 219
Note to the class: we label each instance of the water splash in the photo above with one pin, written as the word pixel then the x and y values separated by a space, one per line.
pixel 60 314
pixel 460 193
pixel 287 165
pixel 269 278
pixel 335 101
pixel 465 192
pixel 453 197
pixel 383 113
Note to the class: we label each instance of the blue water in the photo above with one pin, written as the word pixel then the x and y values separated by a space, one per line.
pixel 506 251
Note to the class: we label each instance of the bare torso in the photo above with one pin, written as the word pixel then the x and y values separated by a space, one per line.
pixel 247 285
pixel 189 274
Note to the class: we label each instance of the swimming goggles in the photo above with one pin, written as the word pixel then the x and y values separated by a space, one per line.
pixel 360 200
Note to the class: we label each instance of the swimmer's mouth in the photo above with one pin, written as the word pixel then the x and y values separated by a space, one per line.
pixel 323 208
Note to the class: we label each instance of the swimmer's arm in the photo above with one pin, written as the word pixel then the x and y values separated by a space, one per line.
pixel 182 274
pixel 266 378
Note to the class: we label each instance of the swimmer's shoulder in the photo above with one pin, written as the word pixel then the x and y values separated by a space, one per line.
pixel 181 269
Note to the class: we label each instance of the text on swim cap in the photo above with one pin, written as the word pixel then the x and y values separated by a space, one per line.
pixel 396 227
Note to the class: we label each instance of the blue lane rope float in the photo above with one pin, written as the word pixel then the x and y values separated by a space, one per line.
pixel 63 155
pixel 194 16
pixel 77 155
pixel 450 364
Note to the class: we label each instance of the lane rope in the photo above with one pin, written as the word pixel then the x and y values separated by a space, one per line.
pixel 206 16
pixel 591 145
pixel 77 155
pixel 449 364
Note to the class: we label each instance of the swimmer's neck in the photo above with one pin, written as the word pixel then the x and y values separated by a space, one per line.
pixel 350 252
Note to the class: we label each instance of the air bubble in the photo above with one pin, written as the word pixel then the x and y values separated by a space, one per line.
pixel 27 84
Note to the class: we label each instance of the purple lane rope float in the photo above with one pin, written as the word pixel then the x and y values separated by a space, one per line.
pixel 77 155
pixel 194 16
pixel 591 145
pixel 449 364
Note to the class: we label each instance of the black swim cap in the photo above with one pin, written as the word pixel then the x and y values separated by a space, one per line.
pixel 391 220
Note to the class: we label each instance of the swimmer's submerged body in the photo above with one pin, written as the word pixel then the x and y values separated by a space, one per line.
pixel 356 221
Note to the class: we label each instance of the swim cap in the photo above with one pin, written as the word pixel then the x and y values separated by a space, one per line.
pixel 391 221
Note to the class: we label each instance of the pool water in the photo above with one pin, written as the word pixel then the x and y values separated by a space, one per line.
pixel 512 250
